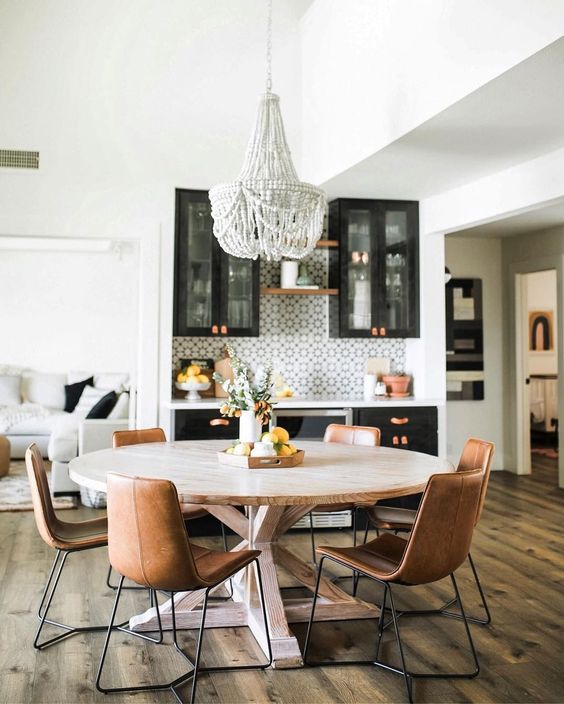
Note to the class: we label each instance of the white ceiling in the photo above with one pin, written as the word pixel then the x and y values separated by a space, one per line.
pixel 532 221
pixel 514 118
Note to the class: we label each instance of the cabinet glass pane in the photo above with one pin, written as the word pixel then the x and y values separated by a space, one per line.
pixel 359 255
pixel 239 293
pixel 199 274
pixel 397 310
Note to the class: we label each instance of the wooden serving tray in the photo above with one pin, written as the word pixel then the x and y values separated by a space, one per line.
pixel 261 462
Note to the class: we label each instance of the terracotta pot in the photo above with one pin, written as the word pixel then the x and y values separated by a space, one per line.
pixel 397 384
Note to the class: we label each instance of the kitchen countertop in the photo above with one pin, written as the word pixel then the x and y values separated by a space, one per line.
pixel 311 402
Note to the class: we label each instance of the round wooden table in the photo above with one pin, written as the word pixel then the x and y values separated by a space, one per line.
pixel 276 499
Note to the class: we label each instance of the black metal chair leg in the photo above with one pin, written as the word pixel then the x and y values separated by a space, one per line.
pixel 467 628
pixel 405 673
pixel 135 587
pixel 48 584
pixel 311 616
pixel 472 619
pixel 312 538
pixel 381 621
pixel 199 649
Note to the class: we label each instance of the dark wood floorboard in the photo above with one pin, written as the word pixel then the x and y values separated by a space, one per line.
pixel 519 551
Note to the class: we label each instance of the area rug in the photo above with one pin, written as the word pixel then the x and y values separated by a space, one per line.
pixel 15 494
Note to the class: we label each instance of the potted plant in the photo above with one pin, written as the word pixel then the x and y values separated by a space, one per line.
pixel 397 384
pixel 249 397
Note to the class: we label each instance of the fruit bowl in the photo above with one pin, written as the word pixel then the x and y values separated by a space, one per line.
pixel 193 388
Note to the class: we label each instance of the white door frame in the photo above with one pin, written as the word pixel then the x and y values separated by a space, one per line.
pixel 515 420
pixel 522 387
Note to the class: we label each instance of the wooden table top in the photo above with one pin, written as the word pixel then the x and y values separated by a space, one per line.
pixel 330 473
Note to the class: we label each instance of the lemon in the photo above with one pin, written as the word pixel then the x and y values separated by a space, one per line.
pixel 242 449
pixel 181 378
pixel 203 379
pixel 293 448
pixel 229 450
pixel 193 370
pixel 284 451
pixel 270 437
pixel 281 433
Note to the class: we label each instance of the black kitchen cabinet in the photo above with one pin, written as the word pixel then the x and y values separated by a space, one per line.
pixel 408 428
pixel 204 425
pixel 214 292
pixel 375 268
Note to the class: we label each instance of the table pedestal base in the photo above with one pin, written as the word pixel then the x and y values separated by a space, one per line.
pixel 261 531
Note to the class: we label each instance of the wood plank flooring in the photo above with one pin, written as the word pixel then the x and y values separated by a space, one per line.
pixel 519 551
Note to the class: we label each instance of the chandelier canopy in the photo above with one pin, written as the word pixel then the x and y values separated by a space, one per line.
pixel 268 211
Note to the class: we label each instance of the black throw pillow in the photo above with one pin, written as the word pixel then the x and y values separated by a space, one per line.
pixel 73 392
pixel 104 406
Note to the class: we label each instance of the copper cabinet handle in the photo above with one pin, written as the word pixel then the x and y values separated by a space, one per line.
pixel 404 440
pixel 219 421
pixel 214 329
pixel 382 331
pixel 374 331
pixel 223 329
pixel 399 421
pixel 395 440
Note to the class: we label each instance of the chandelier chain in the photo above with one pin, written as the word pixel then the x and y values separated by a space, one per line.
pixel 269 47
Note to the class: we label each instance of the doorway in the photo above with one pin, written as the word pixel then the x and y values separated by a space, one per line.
pixel 537 372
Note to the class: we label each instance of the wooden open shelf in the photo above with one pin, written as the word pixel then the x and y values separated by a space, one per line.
pixel 299 291
pixel 327 243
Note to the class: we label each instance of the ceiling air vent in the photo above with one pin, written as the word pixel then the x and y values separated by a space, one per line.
pixel 18 159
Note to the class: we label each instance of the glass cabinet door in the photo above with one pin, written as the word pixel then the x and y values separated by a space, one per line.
pixel 359 256
pixel 200 266
pixel 397 313
pixel 214 293
pixel 240 296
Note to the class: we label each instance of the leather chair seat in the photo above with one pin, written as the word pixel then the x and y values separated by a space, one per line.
pixel 192 511
pixel 380 558
pixel 390 517
pixel 71 536
pixel 216 566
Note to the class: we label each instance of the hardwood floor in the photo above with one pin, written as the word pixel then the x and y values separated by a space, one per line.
pixel 518 550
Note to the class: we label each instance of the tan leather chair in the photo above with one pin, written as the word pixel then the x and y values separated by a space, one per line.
pixel 477 454
pixel 346 435
pixel 190 512
pixel 64 537
pixel 438 544
pixel 149 544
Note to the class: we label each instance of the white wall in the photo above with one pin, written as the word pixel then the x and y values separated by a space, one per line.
pixel 376 69
pixel 126 101
pixel 62 311
pixel 480 258
pixel 542 296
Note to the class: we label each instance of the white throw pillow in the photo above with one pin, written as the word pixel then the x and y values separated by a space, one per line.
pixel 44 389
pixel 89 398
pixel 10 390
pixel 112 381
pixel 121 410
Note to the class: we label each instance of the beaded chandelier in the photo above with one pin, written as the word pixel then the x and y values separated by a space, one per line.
pixel 268 211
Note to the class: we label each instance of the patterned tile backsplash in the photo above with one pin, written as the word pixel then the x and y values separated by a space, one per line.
pixel 294 336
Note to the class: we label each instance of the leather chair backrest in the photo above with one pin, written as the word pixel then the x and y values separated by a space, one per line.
pixel 442 533
pixel 45 517
pixel 121 438
pixel 352 435
pixel 478 454
pixel 147 538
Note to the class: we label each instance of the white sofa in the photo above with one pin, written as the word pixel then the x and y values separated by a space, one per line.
pixel 33 402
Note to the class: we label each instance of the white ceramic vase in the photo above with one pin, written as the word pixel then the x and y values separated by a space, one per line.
pixel 249 427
